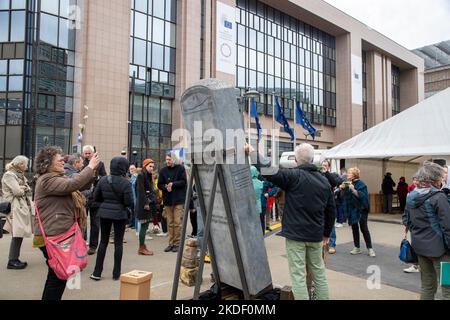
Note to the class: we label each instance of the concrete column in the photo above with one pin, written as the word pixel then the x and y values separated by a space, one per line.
pixel 411 87
pixel 102 68
pixel 188 52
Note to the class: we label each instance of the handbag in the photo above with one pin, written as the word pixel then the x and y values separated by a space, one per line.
pixel 407 253
pixel 67 252
pixel 5 207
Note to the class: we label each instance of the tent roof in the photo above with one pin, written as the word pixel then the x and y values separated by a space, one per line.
pixel 422 130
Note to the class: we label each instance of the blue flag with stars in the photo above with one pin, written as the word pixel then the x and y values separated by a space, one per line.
pixel 304 122
pixel 281 119
pixel 254 114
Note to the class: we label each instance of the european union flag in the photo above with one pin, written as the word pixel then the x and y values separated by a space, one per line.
pixel 254 114
pixel 281 119
pixel 304 122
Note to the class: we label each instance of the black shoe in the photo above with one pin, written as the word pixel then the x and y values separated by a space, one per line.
pixel 91 251
pixel 168 249
pixel 116 278
pixel 16 265
pixel 175 248
pixel 95 278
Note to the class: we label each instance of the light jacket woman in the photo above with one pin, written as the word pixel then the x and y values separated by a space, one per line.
pixel 57 199
pixel 20 221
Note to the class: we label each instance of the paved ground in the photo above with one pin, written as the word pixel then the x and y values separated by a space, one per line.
pixel 346 274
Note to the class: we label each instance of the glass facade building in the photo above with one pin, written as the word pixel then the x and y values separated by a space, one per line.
pixel 152 71
pixel 278 54
pixel 37 64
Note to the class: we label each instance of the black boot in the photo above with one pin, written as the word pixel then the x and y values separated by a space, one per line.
pixel 16 265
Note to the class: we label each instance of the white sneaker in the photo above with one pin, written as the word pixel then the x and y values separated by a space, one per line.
pixel 355 251
pixel 148 238
pixel 338 225
pixel 162 234
pixel 372 253
pixel 413 269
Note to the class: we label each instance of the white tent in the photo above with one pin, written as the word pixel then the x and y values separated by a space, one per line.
pixel 422 131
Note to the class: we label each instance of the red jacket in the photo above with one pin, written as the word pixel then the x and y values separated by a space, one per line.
pixel 402 189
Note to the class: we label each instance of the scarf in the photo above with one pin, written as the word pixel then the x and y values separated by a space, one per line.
pixel 447 183
pixel 79 202
pixel 23 182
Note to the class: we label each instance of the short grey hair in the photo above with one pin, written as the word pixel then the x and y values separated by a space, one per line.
pixel 74 158
pixel 304 154
pixel 430 172
pixel 174 156
pixel 88 148
pixel 17 161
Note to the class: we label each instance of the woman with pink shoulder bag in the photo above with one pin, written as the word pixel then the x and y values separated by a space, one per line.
pixel 60 207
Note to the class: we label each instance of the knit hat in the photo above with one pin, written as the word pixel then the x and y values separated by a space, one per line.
pixel 146 163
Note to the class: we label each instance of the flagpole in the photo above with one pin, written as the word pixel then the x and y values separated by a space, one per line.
pixel 295 122
pixel 249 121
pixel 272 153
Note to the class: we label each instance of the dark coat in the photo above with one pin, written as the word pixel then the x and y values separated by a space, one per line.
pixel 100 172
pixel 176 175
pixel 115 197
pixel 309 211
pixel 145 194
pixel 428 219
pixel 388 185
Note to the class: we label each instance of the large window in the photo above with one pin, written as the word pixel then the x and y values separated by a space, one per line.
pixel 395 90
pixel 278 54
pixel 12 77
pixel 52 112
pixel 152 64
pixel 364 93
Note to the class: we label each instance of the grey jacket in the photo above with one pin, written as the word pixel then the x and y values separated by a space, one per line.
pixel 427 215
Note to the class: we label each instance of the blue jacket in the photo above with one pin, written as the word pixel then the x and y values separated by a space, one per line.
pixel 257 187
pixel 427 215
pixel 272 192
pixel 354 206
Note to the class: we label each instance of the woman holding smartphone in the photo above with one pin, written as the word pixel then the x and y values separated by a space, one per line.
pixel 357 206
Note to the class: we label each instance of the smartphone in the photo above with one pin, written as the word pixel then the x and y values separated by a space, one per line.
pixel 95 149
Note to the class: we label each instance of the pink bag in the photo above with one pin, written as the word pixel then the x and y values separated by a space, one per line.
pixel 67 252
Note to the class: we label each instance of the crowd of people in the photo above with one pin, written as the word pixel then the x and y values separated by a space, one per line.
pixel 74 187
pixel 311 202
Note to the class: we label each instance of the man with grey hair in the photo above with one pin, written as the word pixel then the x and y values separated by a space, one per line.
pixel 74 165
pixel 427 218
pixel 308 218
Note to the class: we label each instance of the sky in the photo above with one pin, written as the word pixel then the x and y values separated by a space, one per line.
pixel 411 23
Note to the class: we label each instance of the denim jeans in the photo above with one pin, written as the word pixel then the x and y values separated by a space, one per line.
pixel 200 229
pixel 340 217
pixel 332 240
pixel 301 254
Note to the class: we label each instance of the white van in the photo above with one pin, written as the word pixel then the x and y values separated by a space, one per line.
pixel 287 159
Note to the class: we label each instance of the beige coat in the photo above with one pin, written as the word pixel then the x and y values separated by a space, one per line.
pixel 21 219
